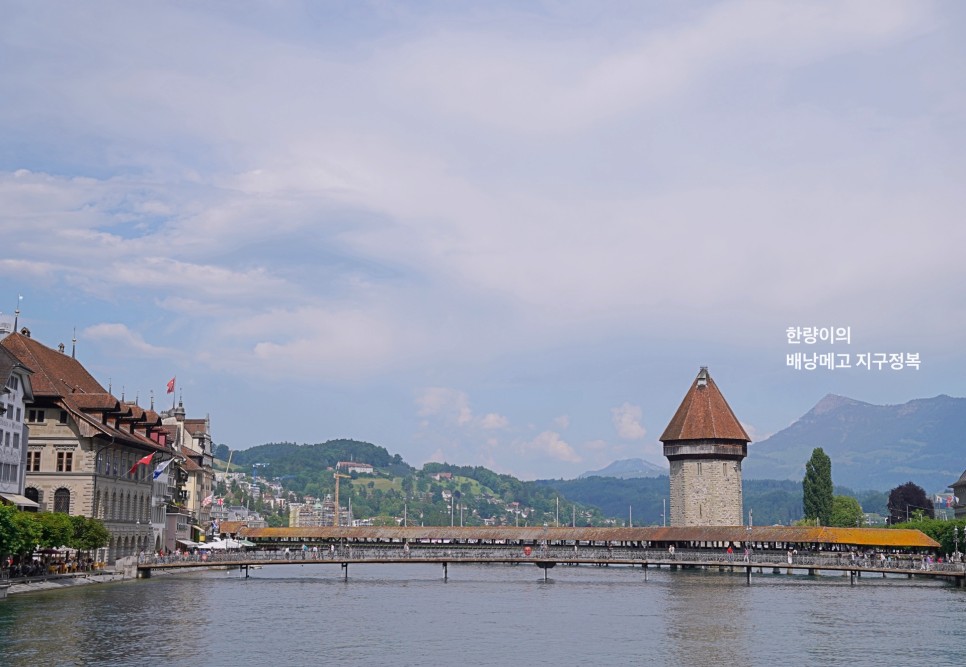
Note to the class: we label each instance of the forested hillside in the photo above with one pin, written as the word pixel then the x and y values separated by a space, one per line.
pixel 438 493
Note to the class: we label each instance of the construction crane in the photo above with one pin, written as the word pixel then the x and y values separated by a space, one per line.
pixel 338 508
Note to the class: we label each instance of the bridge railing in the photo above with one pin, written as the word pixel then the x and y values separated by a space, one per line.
pixel 563 554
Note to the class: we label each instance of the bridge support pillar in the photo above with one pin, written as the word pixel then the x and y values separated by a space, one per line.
pixel 852 577
pixel 445 572
pixel 812 571
pixel 645 574
pixel 748 575
pixel 144 574
pixel 345 570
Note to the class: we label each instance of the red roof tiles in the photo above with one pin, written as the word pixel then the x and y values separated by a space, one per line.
pixel 704 414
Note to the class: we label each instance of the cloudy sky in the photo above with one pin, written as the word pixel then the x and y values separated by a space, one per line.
pixel 500 234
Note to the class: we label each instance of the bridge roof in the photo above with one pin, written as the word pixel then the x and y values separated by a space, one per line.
pixel 859 537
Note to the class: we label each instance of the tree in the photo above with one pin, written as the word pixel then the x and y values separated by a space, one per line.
pixel 20 532
pixel 846 512
pixel 56 529
pixel 909 501
pixel 8 531
pixel 817 487
pixel 89 534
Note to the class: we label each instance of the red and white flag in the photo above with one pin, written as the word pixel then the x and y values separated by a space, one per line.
pixel 171 385
pixel 141 462
pixel 207 501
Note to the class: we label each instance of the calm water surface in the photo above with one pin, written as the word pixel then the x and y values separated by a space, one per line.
pixel 487 615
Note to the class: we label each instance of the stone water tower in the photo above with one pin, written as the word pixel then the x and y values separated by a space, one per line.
pixel 705 445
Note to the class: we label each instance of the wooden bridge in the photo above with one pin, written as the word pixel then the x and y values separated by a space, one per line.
pixel 546 557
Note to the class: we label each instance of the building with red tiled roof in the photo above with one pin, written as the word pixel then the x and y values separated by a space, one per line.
pixel 90 454
pixel 192 438
pixel 705 445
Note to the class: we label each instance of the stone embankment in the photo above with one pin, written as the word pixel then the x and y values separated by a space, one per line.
pixel 124 569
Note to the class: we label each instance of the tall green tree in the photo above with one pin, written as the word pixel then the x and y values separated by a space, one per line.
pixel 817 487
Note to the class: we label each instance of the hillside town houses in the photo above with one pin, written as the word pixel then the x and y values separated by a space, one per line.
pixel 69 445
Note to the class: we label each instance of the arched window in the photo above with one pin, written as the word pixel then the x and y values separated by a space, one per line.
pixel 62 501
pixel 32 493
pixel 113 505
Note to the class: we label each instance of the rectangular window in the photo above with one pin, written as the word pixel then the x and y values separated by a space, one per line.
pixel 16 441
pixel 33 461
pixel 6 439
pixel 65 461
pixel 63 417
pixel 35 416
pixel 18 415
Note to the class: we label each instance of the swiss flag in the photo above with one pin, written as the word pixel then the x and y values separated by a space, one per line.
pixel 171 386
pixel 140 462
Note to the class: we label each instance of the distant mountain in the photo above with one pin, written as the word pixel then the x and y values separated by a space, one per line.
pixel 871 446
pixel 628 469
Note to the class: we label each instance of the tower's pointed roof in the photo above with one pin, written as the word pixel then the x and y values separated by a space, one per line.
pixel 704 415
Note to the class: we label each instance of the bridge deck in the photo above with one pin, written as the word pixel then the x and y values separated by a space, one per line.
pixel 547 558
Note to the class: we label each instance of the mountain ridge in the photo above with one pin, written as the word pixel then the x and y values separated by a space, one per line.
pixel 871 446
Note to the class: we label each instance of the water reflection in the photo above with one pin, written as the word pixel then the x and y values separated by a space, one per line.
pixel 406 615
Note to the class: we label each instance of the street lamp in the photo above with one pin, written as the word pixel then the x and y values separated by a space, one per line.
pixel 956 540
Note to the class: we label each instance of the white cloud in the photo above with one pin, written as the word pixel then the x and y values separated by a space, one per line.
pixel 549 443
pixel 450 403
pixel 627 421
pixel 562 422
pixel 541 85
pixel 123 341
pixel 493 420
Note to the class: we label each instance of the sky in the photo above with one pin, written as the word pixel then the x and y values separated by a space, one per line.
pixel 505 234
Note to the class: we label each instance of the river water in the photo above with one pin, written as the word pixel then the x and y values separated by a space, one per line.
pixel 487 615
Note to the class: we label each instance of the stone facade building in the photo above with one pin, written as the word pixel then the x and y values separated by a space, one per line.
pixel 705 445
pixel 88 453
pixel 192 438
